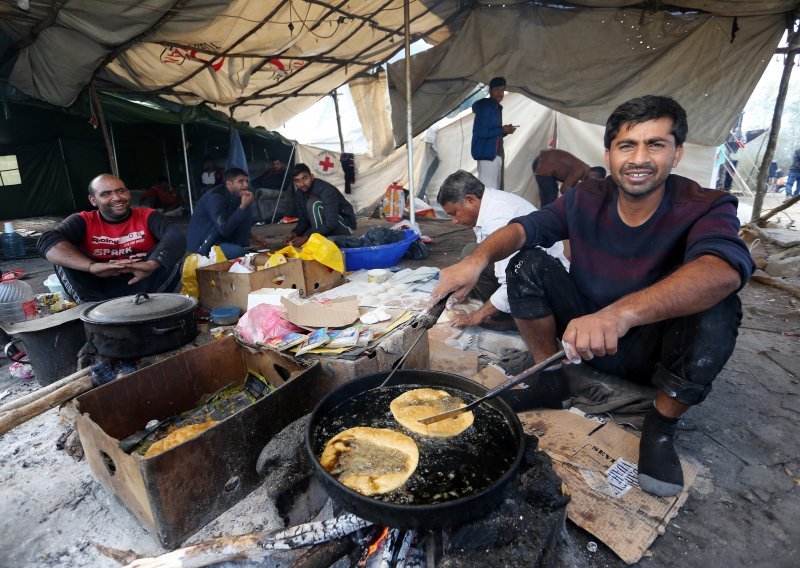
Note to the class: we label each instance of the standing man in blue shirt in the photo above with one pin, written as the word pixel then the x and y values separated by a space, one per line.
pixel 488 131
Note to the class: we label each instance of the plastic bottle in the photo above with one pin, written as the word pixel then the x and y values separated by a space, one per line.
pixel 13 246
pixel 17 300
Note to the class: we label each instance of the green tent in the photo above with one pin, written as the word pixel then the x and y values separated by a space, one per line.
pixel 49 154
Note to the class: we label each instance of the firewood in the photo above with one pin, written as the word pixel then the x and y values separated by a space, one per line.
pixel 764 278
pixel 17 416
pixel 44 391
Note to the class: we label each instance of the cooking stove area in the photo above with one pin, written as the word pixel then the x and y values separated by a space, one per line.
pixel 525 529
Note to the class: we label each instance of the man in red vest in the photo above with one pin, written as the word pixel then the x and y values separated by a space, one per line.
pixel 115 250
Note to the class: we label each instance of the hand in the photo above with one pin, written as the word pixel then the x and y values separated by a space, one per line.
pixel 298 241
pixel 141 270
pixel 106 269
pixel 509 128
pixel 466 320
pixel 289 238
pixel 247 199
pixel 596 334
pixel 459 279
pixel 261 241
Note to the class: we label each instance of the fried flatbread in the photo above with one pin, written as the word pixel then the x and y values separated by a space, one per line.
pixel 413 405
pixel 371 461
pixel 178 436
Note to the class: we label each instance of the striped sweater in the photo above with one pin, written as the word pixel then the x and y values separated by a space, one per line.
pixel 611 259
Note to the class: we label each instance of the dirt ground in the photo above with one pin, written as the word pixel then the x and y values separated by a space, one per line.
pixel 743 511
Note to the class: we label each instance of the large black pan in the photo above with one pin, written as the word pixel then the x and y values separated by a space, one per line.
pixel 457 480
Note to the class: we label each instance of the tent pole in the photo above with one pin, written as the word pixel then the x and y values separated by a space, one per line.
pixel 112 159
pixel 335 97
pixel 113 146
pixel 186 165
pixel 793 42
pixel 66 171
pixel 166 160
pixel 409 127
pixel 283 183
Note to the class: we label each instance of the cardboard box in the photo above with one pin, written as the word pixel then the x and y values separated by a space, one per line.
pixel 218 287
pixel 382 357
pixel 336 313
pixel 178 491
pixel 598 464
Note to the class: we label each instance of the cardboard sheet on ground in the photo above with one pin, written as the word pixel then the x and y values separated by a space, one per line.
pixel 598 464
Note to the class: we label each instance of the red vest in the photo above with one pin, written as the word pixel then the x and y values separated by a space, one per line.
pixel 130 239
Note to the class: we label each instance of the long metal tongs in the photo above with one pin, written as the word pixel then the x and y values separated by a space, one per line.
pixel 491 394
pixel 428 320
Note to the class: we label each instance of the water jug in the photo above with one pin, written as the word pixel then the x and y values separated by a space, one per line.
pixel 13 246
pixel 17 301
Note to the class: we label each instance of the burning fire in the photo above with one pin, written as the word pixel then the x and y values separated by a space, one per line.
pixel 377 544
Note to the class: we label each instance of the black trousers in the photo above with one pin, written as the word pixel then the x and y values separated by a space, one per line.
pixel 680 356
pixel 84 287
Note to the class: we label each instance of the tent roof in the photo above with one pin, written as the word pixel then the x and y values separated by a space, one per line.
pixel 261 60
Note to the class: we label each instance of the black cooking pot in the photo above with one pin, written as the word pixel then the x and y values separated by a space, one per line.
pixel 457 480
pixel 140 325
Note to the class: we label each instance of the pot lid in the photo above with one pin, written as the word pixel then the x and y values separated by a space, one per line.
pixel 139 308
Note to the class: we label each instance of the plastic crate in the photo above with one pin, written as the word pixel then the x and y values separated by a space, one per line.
pixel 382 256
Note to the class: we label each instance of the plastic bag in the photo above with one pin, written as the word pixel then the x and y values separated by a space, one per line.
pixel 316 248
pixel 190 266
pixel 264 322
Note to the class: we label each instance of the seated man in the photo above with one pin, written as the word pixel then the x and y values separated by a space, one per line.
pixel 651 294
pixel 116 250
pixel 273 177
pixel 552 166
pixel 160 196
pixel 320 208
pixel 210 176
pixel 223 217
pixel 470 203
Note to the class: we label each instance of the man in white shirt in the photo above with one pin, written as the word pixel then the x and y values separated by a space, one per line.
pixel 470 203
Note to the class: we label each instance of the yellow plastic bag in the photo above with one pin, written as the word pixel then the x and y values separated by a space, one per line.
pixel 190 266
pixel 316 248
pixel 323 251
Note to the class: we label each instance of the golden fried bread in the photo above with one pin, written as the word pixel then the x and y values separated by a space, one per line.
pixel 411 406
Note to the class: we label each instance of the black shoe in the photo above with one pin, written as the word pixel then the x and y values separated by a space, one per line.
pixel 660 470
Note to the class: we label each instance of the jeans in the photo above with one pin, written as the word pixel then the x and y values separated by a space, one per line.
pixel 680 356
pixel 792 180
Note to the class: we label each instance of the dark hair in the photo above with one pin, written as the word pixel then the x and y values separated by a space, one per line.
pixel 233 173
pixel 301 168
pixel 457 186
pixel 497 82
pixel 599 170
pixel 642 109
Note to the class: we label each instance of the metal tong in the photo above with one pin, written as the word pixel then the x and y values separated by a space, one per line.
pixel 429 319
pixel 493 393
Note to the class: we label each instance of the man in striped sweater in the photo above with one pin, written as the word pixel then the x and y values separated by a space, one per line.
pixel 651 295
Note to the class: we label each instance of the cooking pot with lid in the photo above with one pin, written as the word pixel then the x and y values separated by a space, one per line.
pixel 140 325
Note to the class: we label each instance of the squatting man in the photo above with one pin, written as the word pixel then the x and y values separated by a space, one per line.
pixel 651 294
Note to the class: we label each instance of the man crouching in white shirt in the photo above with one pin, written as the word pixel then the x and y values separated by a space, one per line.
pixel 470 203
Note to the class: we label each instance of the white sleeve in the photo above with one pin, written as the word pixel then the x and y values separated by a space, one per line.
pixel 500 297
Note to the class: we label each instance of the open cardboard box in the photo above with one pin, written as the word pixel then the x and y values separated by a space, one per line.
pixel 598 464
pixel 178 491
pixel 218 287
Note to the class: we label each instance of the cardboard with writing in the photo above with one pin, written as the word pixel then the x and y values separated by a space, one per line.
pixel 595 461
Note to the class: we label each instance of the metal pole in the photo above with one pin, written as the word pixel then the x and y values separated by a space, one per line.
pixel 66 171
pixel 409 127
pixel 335 97
pixel 283 183
pixel 112 159
pixel 166 161
pixel 114 148
pixel 186 164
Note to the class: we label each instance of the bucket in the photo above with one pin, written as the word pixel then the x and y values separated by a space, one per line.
pixel 54 284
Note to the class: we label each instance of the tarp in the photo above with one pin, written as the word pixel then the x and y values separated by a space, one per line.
pixel 584 63
pixel 268 60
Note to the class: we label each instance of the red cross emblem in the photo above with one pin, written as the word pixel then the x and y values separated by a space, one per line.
pixel 326 164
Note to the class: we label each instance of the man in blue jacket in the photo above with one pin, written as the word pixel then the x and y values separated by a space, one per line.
pixel 488 131
pixel 223 217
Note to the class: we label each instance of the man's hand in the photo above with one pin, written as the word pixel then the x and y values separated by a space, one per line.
pixel 466 320
pixel 298 240
pixel 597 334
pixel 106 269
pixel 259 240
pixel 459 279
pixel 247 199
pixel 289 238
pixel 140 270
pixel 509 128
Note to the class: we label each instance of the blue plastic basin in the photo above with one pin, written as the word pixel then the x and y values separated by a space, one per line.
pixel 383 256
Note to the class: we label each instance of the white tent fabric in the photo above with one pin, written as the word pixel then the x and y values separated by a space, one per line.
pixel 267 60
pixel 584 63
pixel 369 97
